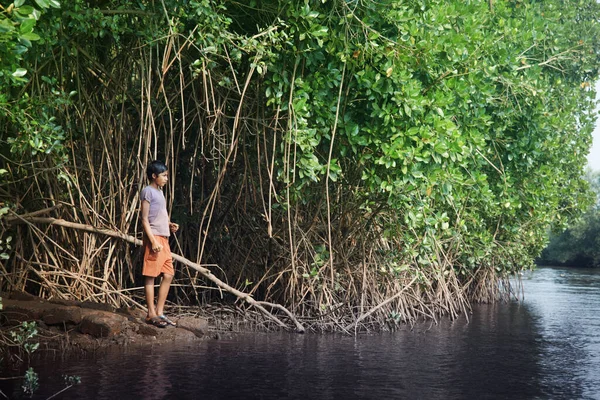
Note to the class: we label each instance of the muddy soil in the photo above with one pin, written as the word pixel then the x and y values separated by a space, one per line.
pixel 87 326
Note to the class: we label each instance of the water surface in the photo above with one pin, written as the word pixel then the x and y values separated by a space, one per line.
pixel 544 347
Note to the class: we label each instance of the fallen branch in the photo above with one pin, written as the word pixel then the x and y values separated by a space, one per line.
pixel 204 271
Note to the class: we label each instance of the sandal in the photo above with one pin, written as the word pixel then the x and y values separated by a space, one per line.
pixel 156 321
pixel 167 320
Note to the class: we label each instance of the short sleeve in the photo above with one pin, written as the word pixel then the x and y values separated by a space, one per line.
pixel 146 195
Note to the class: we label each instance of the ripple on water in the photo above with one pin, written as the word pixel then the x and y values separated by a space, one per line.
pixel 545 347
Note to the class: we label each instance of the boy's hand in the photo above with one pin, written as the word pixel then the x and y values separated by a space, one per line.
pixel 173 227
pixel 156 247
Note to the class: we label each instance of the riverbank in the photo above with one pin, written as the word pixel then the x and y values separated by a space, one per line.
pixel 88 326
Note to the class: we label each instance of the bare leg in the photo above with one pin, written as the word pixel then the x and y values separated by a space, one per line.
pixel 163 291
pixel 149 291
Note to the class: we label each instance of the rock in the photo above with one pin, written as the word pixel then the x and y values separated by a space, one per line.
pixel 63 302
pixel 82 341
pixel 180 335
pixel 62 315
pixel 100 324
pixel 94 329
pixel 96 306
pixel 198 326
pixel 147 330
pixel 132 312
pixel 23 296
pixel 83 304
pixel 17 311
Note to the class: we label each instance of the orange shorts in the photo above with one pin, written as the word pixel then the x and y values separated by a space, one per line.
pixel 156 263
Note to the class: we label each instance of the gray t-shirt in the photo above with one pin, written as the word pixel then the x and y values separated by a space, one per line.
pixel 158 216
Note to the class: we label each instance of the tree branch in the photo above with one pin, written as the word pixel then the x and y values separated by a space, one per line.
pixel 204 271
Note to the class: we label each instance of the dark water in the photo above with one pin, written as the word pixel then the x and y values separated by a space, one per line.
pixel 545 347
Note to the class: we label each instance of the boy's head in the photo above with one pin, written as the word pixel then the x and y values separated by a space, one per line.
pixel 155 168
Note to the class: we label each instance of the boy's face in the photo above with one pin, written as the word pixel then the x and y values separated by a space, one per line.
pixel 161 179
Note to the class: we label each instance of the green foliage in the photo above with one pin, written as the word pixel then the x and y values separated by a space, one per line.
pixel 468 123
pixel 579 244
pixel 17 25
pixel 30 382
pixel 31 126
pixel 22 337
pixel 71 380
pixel 449 131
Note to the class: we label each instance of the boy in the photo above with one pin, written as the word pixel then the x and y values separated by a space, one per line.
pixel 157 253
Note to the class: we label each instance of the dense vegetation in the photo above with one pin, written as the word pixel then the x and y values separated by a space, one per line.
pixel 579 245
pixel 348 159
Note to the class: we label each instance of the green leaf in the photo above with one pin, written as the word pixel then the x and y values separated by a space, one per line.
pixel 19 3
pixel 19 49
pixel 54 3
pixel 42 3
pixel 27 26
pixel 19 72
pixel 25 42
pixel 6 26
pixel 25 10
pixel 31 36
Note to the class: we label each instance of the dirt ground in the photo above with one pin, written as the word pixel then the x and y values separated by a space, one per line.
pixel 87 326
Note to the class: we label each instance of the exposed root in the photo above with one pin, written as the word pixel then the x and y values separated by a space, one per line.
pixel 204 271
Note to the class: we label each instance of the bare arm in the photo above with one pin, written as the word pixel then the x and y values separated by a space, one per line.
pixel 146 225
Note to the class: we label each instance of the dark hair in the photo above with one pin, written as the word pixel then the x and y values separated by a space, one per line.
pixel 155 167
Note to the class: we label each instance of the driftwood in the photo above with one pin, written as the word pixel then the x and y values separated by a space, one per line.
pixel 260 305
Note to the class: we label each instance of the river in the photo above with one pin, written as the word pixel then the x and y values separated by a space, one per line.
pixel 546 346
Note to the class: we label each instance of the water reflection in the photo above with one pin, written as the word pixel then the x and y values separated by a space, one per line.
pixel 569 303
pixel 545 347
